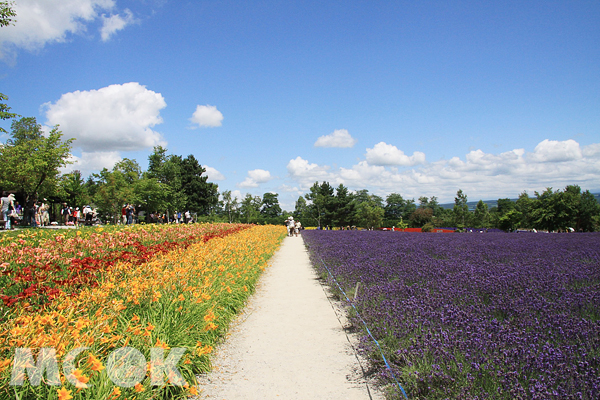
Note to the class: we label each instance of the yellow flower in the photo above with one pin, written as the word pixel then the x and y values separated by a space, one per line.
pixel 64 394
pixel 139 387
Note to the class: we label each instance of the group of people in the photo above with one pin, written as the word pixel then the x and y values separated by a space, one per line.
pixel 176 218
pixel 75 216
pixel 37 214
pixel 128 213
pixel 293 227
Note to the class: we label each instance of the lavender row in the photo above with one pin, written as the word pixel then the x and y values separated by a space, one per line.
pixel 488 316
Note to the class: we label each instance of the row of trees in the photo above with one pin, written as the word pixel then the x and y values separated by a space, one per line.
pixel 558 210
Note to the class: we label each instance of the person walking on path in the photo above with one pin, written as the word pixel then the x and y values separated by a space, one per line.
pixel 297 228
pixel 287 343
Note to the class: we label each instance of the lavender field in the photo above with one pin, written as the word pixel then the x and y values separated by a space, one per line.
pixel 474 316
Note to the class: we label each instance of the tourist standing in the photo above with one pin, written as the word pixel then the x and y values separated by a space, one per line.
pixel 7 206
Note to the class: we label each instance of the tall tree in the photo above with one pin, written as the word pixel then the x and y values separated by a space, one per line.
pixel 270 207
pixel 301 212
pixel 461 209
pixel 74 188
pixel 343 207
pixel 31 161
pixel 202 196
pixel 369 213
pixel 250 208
pixel 481 215
pixel 321 203
pixel 230 205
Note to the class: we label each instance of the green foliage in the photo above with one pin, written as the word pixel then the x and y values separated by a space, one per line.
pixel 73 189
pixel 427 227
pixel 270 207
pixel 481 215
pixel 250 209
pixel 321 204
pixel 31 161
pixel 397 208
pixel 369 210
pixel 7 14
pixel 421 216
pixel 461 209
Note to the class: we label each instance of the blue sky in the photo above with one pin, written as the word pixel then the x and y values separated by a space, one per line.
pixel 418 98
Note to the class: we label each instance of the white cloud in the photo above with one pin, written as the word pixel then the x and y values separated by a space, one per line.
pixel 339 138
pixel 592 150
pixel 305 173
pixel 481 175
pixel 116 117
pixel 115 23
pixel 88 163
pixel 213 174
pixel 387 154
pixel 255 178
pixel 555 151
pixel 207 116
pixel 51 21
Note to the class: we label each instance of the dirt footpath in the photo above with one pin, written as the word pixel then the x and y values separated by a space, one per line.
pixel 288 342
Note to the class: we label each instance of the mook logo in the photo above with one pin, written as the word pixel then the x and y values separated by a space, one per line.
pixel 125 367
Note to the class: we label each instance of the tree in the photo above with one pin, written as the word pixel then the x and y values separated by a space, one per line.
pixel 524 206
pixel 31 161
pixel 321 203
pixel 74 189
pixel 588 215
pixel 202 196
pixel 4 111
pixel 369 214
pixel 343 207
pixel 151 195
pixel 230 205
pixel 250 208
pixel 270 208
pixel 461 209
pixel 481 215
pixel 421 216
pixel 301 210
pixel 7 13
pixel 397 209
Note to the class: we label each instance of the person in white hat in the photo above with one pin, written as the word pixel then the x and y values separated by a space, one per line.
pixel 7 205
pixel 290 225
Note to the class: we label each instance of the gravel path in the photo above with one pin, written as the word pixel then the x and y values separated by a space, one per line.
pixel 288 342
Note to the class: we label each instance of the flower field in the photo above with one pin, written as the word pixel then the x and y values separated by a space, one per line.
pixel 474 316
pixel 142 287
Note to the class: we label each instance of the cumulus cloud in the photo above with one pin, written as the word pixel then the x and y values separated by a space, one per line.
pixel 255 178
pixel 479 174
pixel 339 138
pixel 555 151
pixel 51 21
pixel 114 23
pixel 207 116
pixel 114 118
pixel 387 154
pixel 213 174
pixel 88 163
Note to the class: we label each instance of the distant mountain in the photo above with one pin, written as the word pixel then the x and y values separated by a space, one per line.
pixel 494 203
